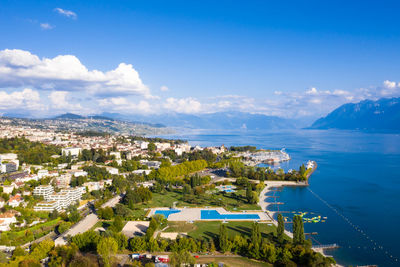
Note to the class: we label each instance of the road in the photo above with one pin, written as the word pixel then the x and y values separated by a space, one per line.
pixel 88 222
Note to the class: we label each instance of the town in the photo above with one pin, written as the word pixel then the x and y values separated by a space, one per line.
pixel 116 199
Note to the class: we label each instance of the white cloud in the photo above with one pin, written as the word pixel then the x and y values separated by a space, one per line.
pixel 183 105
pixel 164 88
pixel 27 99
pixel 46 26
pixel 389 84
pixel 66 13
pixel 67 73
pixel 121 104
pixel 59 101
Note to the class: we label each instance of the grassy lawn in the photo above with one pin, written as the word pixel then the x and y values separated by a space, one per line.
pixel 233 261
pixel 182 227
pixel 229 201
pixel 209 230
pixel 38 226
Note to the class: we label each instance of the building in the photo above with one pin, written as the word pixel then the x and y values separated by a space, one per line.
pixel 15 201
pixel 112 170
pixel 117 155
pixel 142 144
pixel 63 180
pixel 8 167
pixel 67 197
pixel 42 173
pixel 141 172
pixel 162 146
pixel 8 188
pixel 43 191
pixel 79 173
pixel 71 151
pixel 6 219
pixel 47 206
pixel 151 164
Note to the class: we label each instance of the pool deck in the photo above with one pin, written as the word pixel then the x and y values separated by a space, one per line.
pixel 194 214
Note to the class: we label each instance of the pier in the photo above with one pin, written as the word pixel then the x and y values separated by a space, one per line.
pixel 329 246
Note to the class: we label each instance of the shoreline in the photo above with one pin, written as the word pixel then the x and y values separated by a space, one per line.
pixel 263 203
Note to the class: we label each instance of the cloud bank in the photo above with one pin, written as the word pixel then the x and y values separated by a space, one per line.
pixel 48 86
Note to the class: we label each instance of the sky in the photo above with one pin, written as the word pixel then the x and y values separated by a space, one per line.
pixel 290 59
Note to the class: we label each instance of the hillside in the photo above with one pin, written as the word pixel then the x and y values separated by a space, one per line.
pixel 218 120
pixel 383 114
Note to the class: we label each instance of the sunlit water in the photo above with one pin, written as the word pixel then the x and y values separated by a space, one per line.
pixel 356 186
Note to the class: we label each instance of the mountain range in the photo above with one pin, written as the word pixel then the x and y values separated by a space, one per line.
pixel 381 115
pixel 218 120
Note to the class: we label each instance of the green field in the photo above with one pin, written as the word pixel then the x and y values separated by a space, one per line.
pixel 213 200
pixel 209 230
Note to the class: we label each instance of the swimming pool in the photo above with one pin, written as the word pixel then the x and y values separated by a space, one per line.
pixel 215 215
pixel 166 213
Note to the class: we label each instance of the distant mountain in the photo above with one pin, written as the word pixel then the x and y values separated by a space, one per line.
pixel 69 116
pixel 383 114
pixel 219 120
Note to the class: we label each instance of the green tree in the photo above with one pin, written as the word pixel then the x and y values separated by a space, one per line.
pixel 151 147
pixel 298 230
pixel 107 248
pixel 182 257
pixel 223 238
pixel 281 228
pixel 118 224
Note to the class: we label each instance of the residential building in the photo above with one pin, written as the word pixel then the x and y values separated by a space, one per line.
pixel 6 219
pixel 43 191
pixel 15 201
pixel 71 151
pixel 47 206
pixel 8 188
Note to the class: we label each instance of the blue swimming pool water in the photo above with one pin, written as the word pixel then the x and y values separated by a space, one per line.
pixel 229 190
pixel 166 213
pixel 215 215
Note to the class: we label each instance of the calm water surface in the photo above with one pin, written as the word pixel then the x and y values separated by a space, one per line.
pixel 356 186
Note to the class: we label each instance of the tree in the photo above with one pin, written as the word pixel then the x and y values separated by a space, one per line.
pixel 107 213
pixel 63 226
pixel 118 224
pixel 298 230
pixel 182 257
pixel 137 244
pixel 223 238
pixel 255 234
pixel 18 252
pixel 107 248
pixel 151 147
pixel 281 228
pixel 53 215
pixel 255 241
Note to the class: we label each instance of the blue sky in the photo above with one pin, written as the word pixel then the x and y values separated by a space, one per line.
pixel 284 58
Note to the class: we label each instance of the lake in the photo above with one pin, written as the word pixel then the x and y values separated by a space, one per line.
pixel 356 186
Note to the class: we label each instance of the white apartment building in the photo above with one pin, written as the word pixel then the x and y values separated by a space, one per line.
pixel 43 191
pixel 47 206
pixel 72 151
pixel 8 188
pixel 79 173
pixel 6 219
pixel 117 155
pixel 42 173
pixel 162 146
pixel 61 200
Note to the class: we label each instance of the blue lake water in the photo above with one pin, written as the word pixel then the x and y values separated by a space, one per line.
pixel 356 186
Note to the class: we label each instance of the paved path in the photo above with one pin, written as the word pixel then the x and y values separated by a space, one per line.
pixel 85 224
